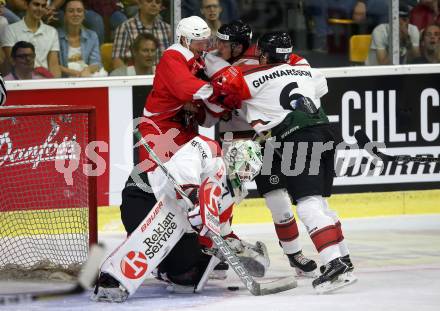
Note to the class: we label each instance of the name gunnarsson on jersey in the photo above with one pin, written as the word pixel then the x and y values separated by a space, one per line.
pixel 279 73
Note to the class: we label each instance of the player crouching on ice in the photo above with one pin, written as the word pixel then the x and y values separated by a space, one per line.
pixel 162 235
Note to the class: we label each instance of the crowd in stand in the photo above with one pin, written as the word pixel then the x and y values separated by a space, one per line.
pixel 63 38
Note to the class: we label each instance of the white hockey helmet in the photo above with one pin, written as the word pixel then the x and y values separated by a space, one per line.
pixel 192 28
pixel 243 161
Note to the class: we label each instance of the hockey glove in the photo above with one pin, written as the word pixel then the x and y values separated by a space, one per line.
pixel 227 88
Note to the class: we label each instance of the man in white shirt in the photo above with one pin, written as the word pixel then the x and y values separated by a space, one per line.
pixel 43 37
pixel 409 41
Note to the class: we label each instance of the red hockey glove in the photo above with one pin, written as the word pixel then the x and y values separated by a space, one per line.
pixel 227 88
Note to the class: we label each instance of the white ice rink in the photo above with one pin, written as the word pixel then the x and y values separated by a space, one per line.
pixel 397 261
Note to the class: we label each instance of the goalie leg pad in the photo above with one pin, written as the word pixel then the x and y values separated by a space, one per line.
pixel 146 247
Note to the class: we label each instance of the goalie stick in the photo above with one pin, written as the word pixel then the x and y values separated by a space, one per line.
pixel 86 279
pixel 254 287
pixel 363 140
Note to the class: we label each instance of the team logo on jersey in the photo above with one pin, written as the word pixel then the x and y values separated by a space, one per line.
pixel 274 180
pixel 134 265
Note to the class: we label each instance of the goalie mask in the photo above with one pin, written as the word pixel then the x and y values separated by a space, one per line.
pixel 243 161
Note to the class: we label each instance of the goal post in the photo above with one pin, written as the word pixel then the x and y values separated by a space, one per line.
pixel 48 197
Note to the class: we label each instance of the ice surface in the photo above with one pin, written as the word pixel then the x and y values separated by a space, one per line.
pixel 397 261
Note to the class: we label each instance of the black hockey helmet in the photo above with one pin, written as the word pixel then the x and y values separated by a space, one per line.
pixel 277 45
pixel 237 32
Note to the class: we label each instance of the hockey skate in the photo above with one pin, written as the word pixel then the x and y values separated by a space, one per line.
pixel 334 277
pixel 303 266
pixel 254 257
pixel 348 276
pixel 108 289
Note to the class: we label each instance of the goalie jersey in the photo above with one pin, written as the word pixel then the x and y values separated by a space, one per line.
pixel 197 160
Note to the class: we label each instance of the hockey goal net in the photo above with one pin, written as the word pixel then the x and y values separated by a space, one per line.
pixel 47 200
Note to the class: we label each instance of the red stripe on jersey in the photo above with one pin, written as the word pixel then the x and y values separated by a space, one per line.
pixel 216 150
pixel 295 59
pixel 227 214
pixel 339 230
pixel 287 232
pixel 249 69
pixel 325 237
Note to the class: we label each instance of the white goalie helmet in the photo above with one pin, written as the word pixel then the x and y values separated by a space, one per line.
pixel 243 160
pixel 192 28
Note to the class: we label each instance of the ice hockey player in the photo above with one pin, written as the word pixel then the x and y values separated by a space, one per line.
pixel 200 170
pixel 170 104
pixel 234 47
pixel 283 101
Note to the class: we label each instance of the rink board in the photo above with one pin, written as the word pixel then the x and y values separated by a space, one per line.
pixel 347 205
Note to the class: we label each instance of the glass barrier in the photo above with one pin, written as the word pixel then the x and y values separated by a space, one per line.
pixel 85 38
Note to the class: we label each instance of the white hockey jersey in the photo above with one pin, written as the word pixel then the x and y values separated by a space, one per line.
pixel 273 91
pixel 197 160
pixel 238 123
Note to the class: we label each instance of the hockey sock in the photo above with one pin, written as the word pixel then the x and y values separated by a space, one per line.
pixel 343 248
pixel 321 227
pixel 278 201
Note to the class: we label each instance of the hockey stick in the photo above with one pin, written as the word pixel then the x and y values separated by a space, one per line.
pixel 363 140
pixel 254 287
pixel 86 279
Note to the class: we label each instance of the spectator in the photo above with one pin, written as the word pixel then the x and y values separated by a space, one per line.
pixel 3 22
pixel 10 14
pixel 143 50
pixel 23 63
pixel 97 13
pixel 130 7
pixel 371 13
pixel 319 12
pixel 3 63
pixel 425 13
pixel 108 10
pixel 44 38
pixel 146 21
pixel 409 41
pixel 211 10
pixel 79 47
pixel 430 46
pixel 229 13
